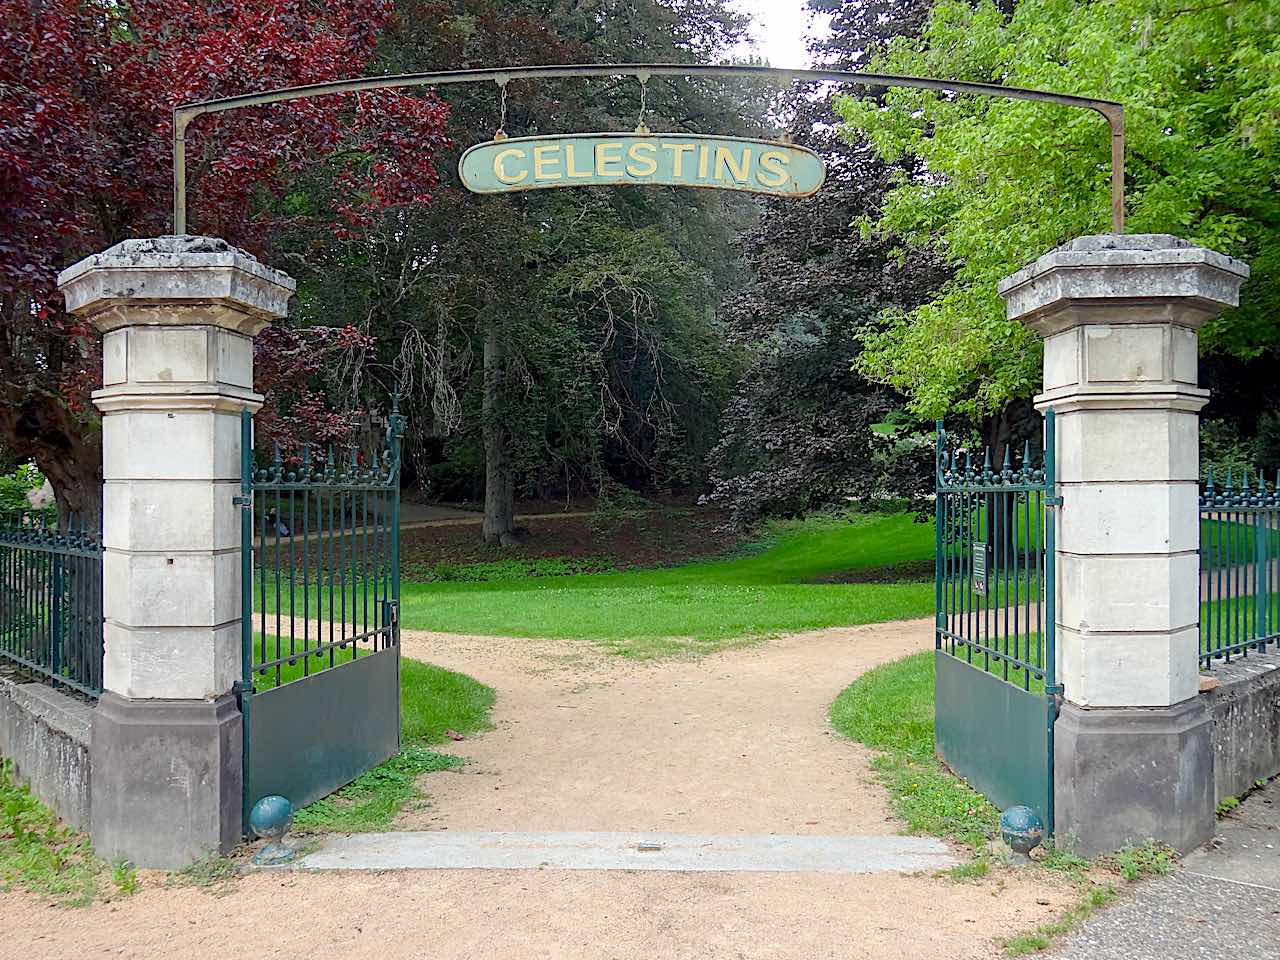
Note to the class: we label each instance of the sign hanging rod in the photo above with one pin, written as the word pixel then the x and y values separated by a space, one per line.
pixel 187 112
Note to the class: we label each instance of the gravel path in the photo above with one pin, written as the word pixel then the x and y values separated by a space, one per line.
pixel 736 743
pixel 732 743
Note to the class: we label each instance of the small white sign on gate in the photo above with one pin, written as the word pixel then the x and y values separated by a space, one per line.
pixel 980 568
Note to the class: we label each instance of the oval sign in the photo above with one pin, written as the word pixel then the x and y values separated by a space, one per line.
pixel 661 159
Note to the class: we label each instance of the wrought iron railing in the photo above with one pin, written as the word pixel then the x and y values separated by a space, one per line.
pixel 995 556
pixel 321 557
pixel 1239 566
pixel 51 599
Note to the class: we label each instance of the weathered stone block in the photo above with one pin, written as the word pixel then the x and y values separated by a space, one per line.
pixel 1120 279
pixel 46 734
pixel 1124 354
pixel 170 515
pixel 195 663
pixel 234 358
pixel 1129 518
pixel 171 444
pixel 1246 722
pixel 1144 444
pixel 1123 594
pixel 1063 359
pixel 169 355
pixel 167 780
pixel 1123 776
pixel 174 589
pixel 1099 669
pixel 115 356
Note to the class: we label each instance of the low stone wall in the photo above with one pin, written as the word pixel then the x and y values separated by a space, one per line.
pixel 1246 723
pixel 46 735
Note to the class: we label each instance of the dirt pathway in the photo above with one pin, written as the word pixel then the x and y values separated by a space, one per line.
pixel 734 743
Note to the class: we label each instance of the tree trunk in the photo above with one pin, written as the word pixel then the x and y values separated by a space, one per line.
pixel 66 449
pixel 77 486
pixel 499 489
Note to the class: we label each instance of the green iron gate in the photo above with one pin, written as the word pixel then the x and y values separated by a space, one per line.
pixel 996 691
pixel 320 635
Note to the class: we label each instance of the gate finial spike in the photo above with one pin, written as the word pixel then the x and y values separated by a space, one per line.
pixel 1208 483
pixel 1229 484
pixel 1026 454
pixel 1244 485
pixel 986 460
pixel 1005 467
pixel 275 455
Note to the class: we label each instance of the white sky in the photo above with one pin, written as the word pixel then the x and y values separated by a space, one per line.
pixel 780 28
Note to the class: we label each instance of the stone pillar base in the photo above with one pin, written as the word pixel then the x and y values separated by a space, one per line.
pixel 166 780
pixel 1123 775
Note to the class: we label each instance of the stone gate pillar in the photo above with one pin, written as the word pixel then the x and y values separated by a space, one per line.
pixel 178 317
pixel 1119 316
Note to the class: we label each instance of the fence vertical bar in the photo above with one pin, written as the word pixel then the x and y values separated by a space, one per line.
pixel 1259 562
pixel 55 615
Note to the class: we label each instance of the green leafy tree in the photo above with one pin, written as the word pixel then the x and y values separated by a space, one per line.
pixel 1004 181
pixel 539 343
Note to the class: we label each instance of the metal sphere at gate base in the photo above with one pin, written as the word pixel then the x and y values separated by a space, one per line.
pixel 1021 829
pixel 270 819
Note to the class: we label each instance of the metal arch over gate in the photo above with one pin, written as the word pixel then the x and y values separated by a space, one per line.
pixel 320 635
pixel 995 690
pixel 184 114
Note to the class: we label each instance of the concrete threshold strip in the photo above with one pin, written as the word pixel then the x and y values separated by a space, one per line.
pixel 446 850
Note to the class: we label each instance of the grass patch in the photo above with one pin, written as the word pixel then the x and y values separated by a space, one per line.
pixel 505 570
pixel 1131 863
pixel 372 800
pixel 434 702
pixel 1151 859
pixel 38 853
pixel 1040 938
pixel 214 873
pixel 975 869
pixel 890 709
pixel 702 606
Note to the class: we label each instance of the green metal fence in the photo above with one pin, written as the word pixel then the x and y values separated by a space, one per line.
pixel 1239 566
pixel 995 555
pixel 51 599
pixel 995 686
pixel 325 562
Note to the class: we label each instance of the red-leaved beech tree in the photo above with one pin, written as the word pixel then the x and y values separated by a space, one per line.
pixel 86 93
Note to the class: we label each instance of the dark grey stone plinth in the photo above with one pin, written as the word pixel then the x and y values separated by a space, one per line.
pixel 166 780
pixel 1127 774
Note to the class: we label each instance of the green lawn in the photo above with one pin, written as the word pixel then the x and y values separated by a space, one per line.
pixel 769 589
pixel 890 709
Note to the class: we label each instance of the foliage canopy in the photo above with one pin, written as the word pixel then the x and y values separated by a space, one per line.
pixel 1007 181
